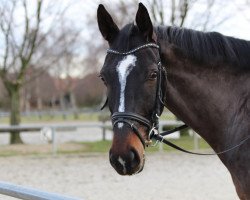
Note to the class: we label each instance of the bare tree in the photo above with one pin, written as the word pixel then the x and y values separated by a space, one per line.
pixel 122 9
pixel 16 56
pixel 178 10
pixel 31 37
pixel 175 13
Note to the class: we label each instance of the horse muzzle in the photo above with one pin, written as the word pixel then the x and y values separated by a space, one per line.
pixel 127 151
pixel 127 164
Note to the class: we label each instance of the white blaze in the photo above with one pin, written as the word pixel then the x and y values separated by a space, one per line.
pixel 122 162
pixel 123 68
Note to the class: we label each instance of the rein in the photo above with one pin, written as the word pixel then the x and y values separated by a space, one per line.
pixel 153 125
pixel 160 138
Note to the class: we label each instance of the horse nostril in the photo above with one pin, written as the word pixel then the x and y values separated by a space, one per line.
pixel 134 158
pixel 131 156
pixel 111 158
pixel 127 163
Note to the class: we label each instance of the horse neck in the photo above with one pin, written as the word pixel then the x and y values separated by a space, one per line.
pixel 204 97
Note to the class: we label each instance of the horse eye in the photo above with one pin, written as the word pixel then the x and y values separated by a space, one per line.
pixel 153 75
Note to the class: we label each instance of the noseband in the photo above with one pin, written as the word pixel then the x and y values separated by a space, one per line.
pixel 129 117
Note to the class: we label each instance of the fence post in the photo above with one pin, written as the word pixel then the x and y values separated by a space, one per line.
pixel 103 131
pixel 54 143
pixel 196 140
pixel 160 144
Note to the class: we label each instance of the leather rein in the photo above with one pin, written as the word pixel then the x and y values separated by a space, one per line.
pixel 152 125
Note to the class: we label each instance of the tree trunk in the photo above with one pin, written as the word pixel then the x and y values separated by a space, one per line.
pixel 73 104
pixel 14 93
pixel 38 95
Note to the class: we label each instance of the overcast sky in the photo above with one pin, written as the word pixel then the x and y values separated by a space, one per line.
pixel 234 13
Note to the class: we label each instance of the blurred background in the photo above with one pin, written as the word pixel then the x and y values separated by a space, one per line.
pixel 51 53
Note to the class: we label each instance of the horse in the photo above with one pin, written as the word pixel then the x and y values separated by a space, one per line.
pixel 202 77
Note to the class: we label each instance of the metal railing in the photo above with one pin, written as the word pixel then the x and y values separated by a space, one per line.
pixel 28 193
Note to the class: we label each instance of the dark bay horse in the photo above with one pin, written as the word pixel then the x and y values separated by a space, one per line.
pixel 203 78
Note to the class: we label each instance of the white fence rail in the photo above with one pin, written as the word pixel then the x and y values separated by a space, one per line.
pixel 54 129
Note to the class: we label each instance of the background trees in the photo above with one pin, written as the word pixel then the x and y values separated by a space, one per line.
pixel 33 33
pixel 17 53
pixel 51 51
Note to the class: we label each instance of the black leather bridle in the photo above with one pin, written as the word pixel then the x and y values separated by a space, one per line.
pixel 130 117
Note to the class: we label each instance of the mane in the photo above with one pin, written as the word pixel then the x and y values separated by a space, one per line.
pixel 208 47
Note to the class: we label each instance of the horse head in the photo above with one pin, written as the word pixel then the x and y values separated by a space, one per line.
pixel 131 73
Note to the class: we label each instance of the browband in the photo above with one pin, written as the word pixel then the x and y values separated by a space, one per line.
pixel 152 45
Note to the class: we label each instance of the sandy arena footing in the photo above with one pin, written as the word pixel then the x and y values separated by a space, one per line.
pixel 170 176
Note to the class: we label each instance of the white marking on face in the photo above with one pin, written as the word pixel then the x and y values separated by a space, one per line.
pixel 123 68
pixel 122 162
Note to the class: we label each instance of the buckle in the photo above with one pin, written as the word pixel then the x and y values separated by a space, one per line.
pixel 151 135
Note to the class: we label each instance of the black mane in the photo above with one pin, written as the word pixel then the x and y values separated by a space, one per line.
pixel 208 47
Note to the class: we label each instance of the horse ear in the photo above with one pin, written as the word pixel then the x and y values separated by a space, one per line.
pixel 144 23
pixel 107 26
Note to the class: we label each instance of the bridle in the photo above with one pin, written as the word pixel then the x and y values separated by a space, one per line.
pixel 153 124
pixel 129 117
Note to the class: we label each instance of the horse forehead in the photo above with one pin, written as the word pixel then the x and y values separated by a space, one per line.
pixel 125 65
